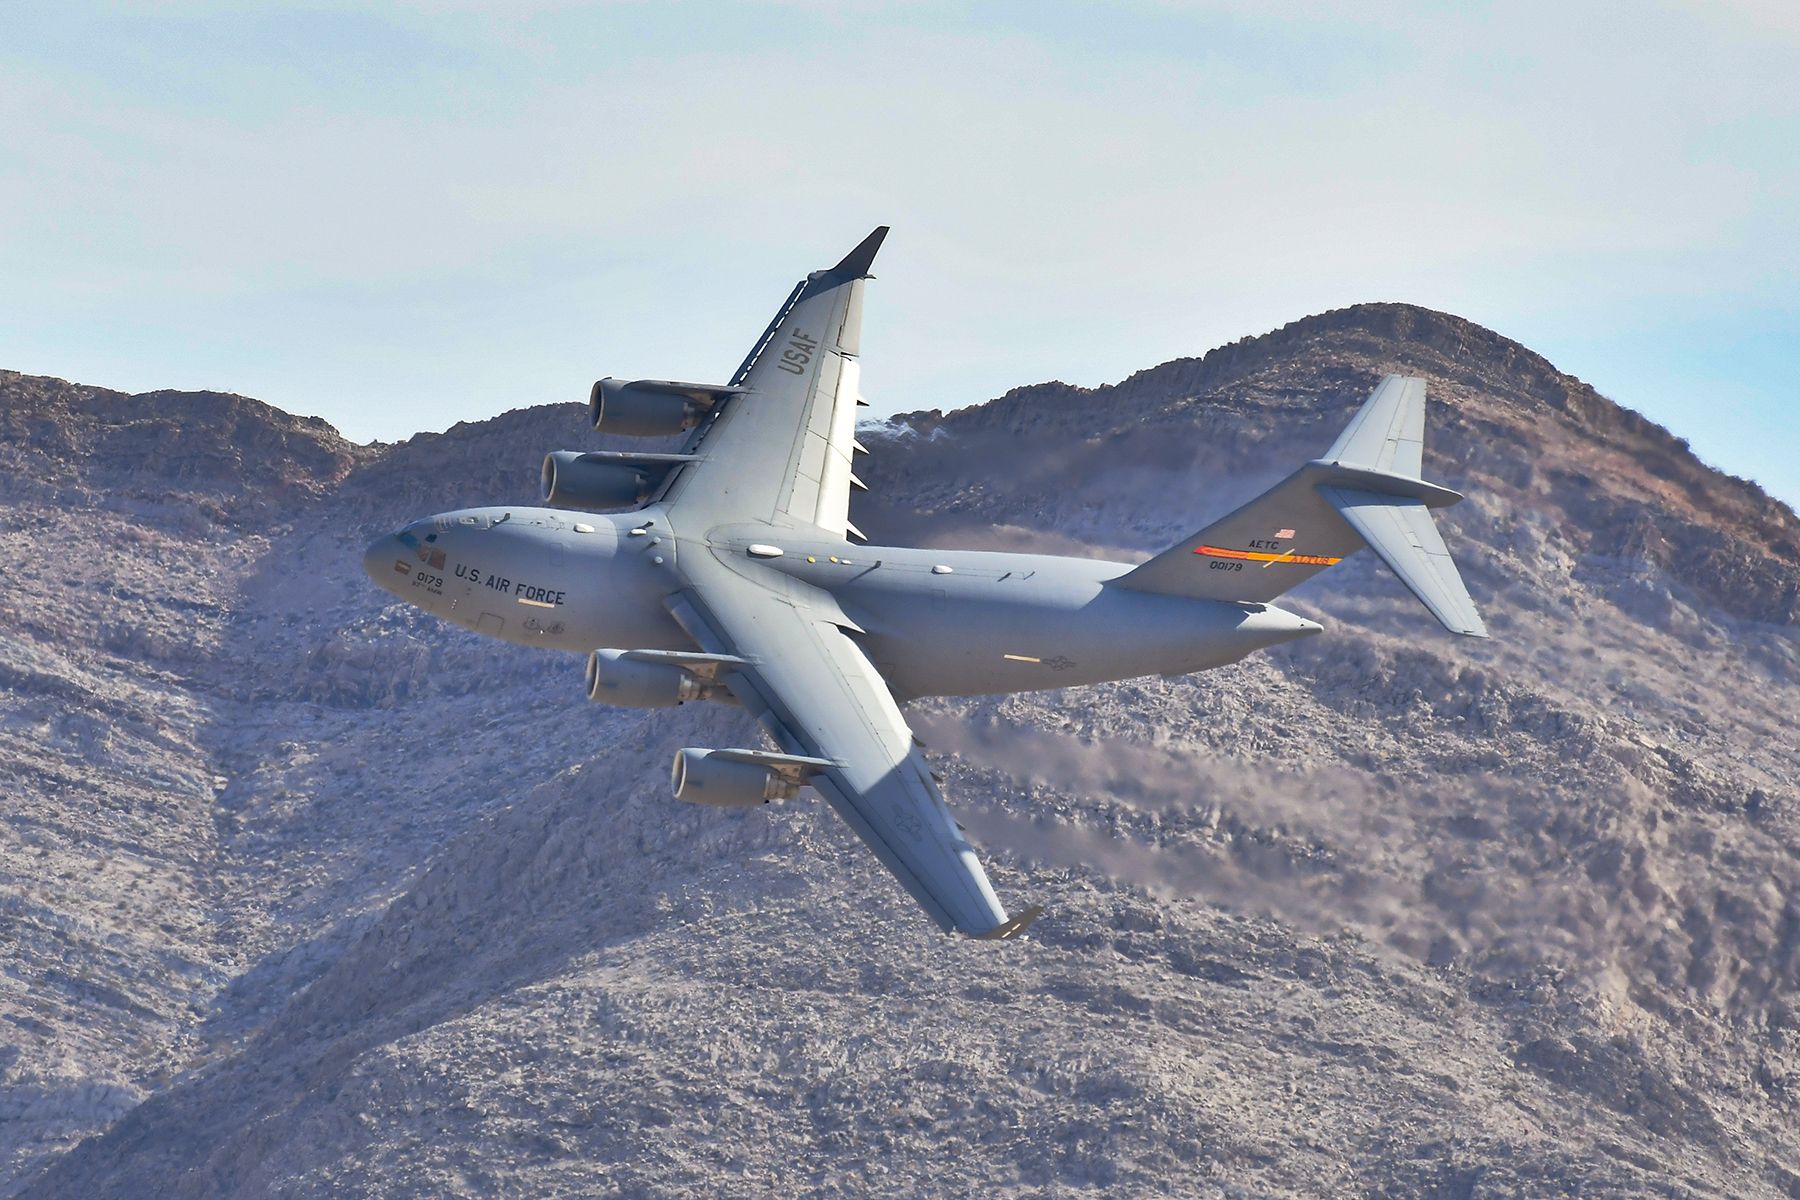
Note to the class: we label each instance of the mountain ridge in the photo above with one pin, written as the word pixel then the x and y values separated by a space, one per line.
pixel 1449 338
pixel 309 893
pixel 1388 321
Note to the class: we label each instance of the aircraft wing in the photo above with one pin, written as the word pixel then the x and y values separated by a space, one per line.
pixel 816 693
pixel 781 449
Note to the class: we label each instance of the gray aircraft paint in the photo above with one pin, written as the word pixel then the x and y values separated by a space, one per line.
pixel 742 560
pixel 546 581
pixel 991 623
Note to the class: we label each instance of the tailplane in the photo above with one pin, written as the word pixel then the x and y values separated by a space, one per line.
pixel 1366 491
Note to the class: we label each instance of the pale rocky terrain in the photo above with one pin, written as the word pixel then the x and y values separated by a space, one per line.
pixel 304 894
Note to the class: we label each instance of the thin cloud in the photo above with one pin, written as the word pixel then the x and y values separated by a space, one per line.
pixel 510 208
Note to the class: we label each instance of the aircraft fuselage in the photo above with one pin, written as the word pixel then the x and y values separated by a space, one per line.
pixel 934 622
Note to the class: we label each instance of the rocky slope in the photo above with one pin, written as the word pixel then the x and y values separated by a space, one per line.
pixel 305 895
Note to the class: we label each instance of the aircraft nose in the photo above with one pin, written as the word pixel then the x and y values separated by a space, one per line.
pixel 380 557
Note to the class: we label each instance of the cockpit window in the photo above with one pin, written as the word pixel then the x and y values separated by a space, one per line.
pixel 422 549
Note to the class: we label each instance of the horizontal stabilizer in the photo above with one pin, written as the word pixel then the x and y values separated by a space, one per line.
pixel 1405 537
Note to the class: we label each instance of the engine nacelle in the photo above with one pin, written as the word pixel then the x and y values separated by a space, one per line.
pixel 699 777
pixel 576 480
pixel 646 408
pixel 612 678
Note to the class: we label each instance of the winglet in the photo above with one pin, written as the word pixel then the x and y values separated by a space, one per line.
pixel 856 263
pixel 1012 928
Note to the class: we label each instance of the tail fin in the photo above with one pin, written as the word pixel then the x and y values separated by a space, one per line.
pixel 1366 491
pixel 1387 434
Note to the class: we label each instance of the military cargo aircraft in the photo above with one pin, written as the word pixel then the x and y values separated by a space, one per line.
pixel 728 569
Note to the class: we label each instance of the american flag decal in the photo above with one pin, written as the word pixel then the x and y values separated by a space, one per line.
pixel 1284 533
pixel 402 567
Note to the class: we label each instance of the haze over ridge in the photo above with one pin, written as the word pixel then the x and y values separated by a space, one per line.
pixel 300 908
pixel 439 203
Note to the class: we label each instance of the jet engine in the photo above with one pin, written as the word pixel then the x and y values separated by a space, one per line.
pixel 741 778
pixel 621 677
pixel 576 480
pixel 651 407
pixel 707 777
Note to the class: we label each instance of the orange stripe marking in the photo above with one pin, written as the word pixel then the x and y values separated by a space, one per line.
pixel 1310 560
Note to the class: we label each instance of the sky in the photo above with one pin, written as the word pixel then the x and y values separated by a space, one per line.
pixel 400 217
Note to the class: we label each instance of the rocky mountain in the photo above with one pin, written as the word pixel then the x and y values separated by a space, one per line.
pixel 303 894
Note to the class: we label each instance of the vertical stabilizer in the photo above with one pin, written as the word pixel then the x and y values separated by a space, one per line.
pixel 1388 432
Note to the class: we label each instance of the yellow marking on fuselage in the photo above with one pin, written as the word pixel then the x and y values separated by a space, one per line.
pixel 1286 556
pixel 535 603
pixel 1021 658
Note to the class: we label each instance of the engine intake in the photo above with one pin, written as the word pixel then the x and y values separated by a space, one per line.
pixel 575 480
pixel 651 407
pixel 699 777
pixel 741 778
pixel 614 677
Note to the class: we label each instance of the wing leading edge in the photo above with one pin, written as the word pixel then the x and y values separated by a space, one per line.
pixel 780 450
pixel 816 693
